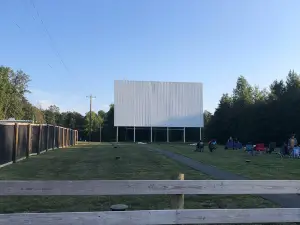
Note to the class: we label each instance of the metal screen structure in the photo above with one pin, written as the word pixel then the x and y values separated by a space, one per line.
pixel 157 105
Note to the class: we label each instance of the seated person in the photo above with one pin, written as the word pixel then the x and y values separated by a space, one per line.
pixel 292 143
pixel 200 146
pixel 229 143
pixel 212 145
pixel 249 148
pixel 271 148
pixel 285 149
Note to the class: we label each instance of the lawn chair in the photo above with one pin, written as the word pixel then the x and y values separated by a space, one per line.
pixel 295 153
pixel 272 147
pixel 260 147
pixel 249 149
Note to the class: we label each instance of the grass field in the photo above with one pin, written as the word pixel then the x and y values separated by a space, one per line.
pixel 98 162
pixel 263 166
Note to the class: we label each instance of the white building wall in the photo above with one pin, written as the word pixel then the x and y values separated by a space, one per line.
pixel 158 104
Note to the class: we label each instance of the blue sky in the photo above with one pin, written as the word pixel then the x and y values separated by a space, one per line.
pixel 211 41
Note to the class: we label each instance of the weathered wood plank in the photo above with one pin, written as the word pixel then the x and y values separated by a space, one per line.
pixel 148 187
pixel 177 201
pixel 153 217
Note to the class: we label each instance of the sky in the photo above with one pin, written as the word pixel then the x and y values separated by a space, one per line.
pixel 72 49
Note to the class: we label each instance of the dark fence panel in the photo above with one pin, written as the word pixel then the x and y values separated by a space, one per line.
pixel 44 138
pixel 22 142
pixel 6 144
pixel 71 137
pixel 61 137
pixel 50 137
pixel 56 137
pixel 66 137
pixel 35 138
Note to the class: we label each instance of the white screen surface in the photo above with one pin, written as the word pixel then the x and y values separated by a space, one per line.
pixel 158 104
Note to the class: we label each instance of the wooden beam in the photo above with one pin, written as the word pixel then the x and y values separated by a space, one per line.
pixel 177 201
pixel 154 217
pixel 148 187
pixel 16 142
pixel 29 140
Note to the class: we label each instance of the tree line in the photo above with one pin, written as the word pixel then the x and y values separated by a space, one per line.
pixel 248 113
pixel 254 115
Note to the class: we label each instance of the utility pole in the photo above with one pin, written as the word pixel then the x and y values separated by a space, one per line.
pixel 90 125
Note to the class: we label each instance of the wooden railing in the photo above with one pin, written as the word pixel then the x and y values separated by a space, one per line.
pixel 176 215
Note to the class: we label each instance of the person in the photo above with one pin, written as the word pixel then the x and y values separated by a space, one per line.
pixel 212 145
pixel 229 143
pixel 200 146
pixel 292 143
pixel 285 149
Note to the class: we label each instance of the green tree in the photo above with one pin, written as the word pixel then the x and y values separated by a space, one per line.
pixel 95 123
pixel 52 115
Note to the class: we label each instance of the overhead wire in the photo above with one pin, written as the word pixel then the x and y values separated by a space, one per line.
pixel 52 43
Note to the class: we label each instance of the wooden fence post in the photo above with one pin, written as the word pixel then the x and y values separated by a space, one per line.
pixel 177 201
pixel 53 144
pixel 40 139
pixel 29 141
pixel 47 142
pixel 16 142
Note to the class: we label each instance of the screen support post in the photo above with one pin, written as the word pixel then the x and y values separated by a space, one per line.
pixel 167 134
pixel 200 134
pixel 117 135
pixel 133 134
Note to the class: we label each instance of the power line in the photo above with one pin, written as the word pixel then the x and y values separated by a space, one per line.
pixel 56 51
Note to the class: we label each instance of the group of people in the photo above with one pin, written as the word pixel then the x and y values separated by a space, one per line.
pixel 212 145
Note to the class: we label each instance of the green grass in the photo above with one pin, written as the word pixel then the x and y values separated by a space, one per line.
pixel 87 162
pixel 262 166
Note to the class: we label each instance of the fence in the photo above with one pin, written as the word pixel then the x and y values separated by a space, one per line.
pixel 19 140
pixel 176 188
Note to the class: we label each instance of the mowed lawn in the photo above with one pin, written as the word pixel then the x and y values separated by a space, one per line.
pixel 261 166
pixel 99 162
